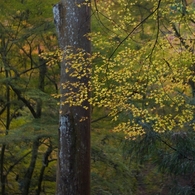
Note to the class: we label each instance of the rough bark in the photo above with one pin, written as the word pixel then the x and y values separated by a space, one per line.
pixel 73 174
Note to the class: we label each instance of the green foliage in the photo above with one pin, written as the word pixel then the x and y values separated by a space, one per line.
pixel 142 79
pixel 143 75
pixel 110 171
pixel 28 113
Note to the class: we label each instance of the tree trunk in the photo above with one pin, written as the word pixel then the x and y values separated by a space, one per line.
pixel 25 185
pixel 73 174
pixel 7 125
pixel 45 164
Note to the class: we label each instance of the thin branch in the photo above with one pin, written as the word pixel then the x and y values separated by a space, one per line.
pixel 27 103
pixel 100 118
pixel 147 127
pixel 134 29
pixel 157 33
pixel 20 159
pixel 178 35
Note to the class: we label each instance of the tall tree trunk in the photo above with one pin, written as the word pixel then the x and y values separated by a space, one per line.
pixel 3 175
pixel 8 116
pixel 28 175
pixel 73 174
pixel 45 164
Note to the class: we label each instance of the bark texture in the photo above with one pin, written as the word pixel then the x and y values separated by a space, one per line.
pixel 73 174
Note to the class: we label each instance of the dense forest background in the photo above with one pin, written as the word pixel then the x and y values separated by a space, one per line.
pixel 142 87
